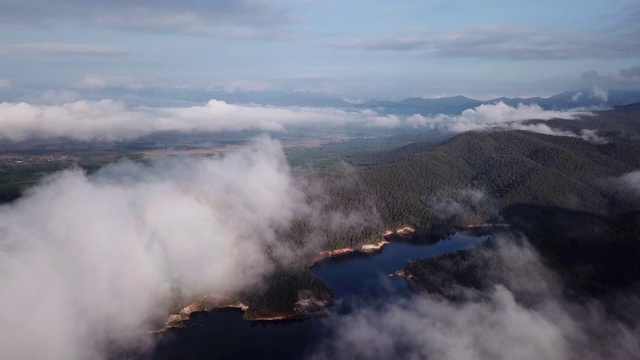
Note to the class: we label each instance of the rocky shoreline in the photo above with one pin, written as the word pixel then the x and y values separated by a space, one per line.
pixel 302 309
pixel 205 304
pixel 405 231
pixel 366 249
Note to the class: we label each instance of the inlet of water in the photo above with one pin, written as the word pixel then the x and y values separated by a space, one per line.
pixel 355 280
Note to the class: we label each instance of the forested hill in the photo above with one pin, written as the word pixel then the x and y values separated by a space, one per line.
pixel 621 124
pixel 510 167
pixel 616 125
pixel 389 156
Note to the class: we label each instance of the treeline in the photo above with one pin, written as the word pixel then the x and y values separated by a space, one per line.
pixel 385 157
pixel 282 289
pixel 341 212
pixel 470 178
pixel 618 125
pixel 595 254
pixel 451 274
pixel 511 167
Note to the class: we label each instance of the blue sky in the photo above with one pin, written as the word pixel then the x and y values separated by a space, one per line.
pixel 356 50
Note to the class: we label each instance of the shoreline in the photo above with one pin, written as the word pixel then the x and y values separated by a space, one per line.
pixel 405 231
pixel 415 285
pixel 330 254
pixel 302 309
pixel 205 304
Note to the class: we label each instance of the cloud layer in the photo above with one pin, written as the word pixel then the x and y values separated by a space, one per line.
pixel 628 185
pixel 113 120
pixel 488 115
pixel 92 262
pixel 631 181
pixel 524 316
pixel 462 206
pixel 500 116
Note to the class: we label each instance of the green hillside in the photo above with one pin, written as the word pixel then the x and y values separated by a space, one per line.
pixel 511 167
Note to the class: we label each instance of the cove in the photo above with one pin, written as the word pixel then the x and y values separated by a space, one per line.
pixel 355 279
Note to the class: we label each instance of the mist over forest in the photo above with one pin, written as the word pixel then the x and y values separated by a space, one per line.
pixel 241 222
pixel 357 180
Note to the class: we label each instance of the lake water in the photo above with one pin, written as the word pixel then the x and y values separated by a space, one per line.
pixel 355 280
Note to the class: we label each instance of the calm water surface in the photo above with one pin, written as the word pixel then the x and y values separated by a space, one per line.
pixel 355 280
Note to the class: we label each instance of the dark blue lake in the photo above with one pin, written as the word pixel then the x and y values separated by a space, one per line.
pixel 354 279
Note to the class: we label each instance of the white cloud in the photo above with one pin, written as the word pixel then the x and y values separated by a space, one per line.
pixel 113 120
pixel 592 136
pixel 110 120
pixel 4 83
pixel 585 134
pixel 630 182
pixel 89 262
pixel 462 206
pixel 424 329
pixel 577 97
pixel 489 115
pixel 501 116
pixel 92 263
pixel 540 128
pixel 600 94
pixel 500 113
pixel 523 316
pixel 492 115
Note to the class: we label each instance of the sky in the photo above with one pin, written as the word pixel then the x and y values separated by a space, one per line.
pixel 355 50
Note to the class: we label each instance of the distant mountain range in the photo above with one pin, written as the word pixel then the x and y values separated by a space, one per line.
pixel 583 98
pixel 620 125
pixel 566 195
pixel 512 167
